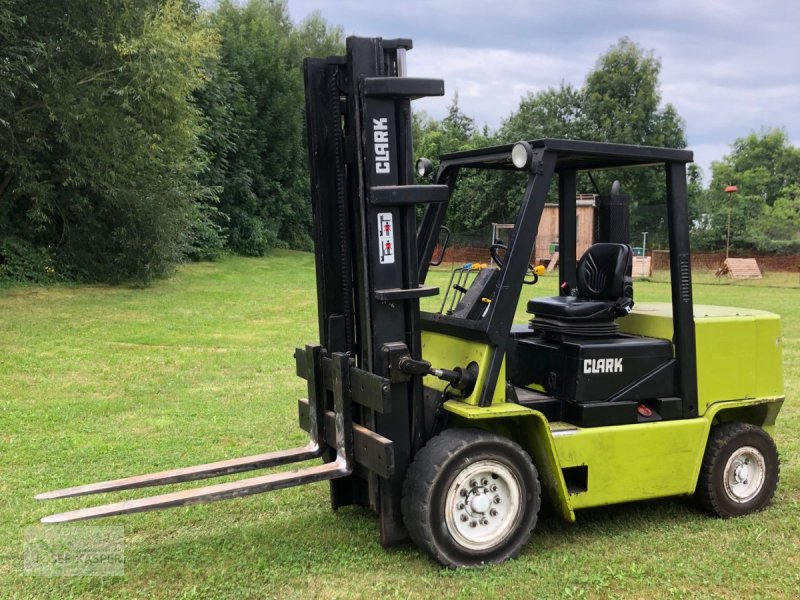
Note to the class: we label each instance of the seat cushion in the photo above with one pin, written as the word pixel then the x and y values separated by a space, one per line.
pixel 571 307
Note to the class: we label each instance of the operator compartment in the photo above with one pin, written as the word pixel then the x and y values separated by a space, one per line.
pixel 574 352
pixel 598 381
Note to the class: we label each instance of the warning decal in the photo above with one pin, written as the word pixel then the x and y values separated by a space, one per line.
pixel 386 247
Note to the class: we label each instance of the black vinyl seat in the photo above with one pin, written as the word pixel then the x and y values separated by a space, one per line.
pixel 604 288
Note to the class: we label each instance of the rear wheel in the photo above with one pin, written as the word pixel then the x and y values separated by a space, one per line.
pixel 740 470
pixel 471 497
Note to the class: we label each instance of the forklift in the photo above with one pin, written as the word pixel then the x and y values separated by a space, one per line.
pixel 454 426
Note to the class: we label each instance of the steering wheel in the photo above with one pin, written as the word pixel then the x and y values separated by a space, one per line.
pixel 493 251
pixel 499 262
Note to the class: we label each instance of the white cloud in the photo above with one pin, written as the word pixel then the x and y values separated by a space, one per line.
pixel 728 66
pixel 489 82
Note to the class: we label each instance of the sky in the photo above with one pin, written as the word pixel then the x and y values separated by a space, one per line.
pixel 729 67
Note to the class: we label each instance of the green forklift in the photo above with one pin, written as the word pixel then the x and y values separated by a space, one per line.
pixel 454 426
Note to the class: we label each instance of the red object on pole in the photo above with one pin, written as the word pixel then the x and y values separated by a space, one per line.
pixel 731 188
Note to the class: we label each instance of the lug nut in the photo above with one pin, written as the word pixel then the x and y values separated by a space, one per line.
pixel 484 522
pixel 473 523
pixel 463 492
pixel 460 506
pixel 492 513
pixel 497 500
pixel 464 517
pixel 484 481
pixel 493 488
pixel 473 483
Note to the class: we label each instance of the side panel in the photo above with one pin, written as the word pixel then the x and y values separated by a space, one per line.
pixel 726 365
pixel 738 349
pixel 635 462
pixel 649 460
pixel 623 463
pixel 446 352
pixel 769 357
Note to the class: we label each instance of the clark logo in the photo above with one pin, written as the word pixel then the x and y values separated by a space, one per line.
pixel 602 365
pixel 380 135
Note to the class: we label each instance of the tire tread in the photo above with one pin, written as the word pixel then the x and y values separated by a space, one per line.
pixel 417 489
pixel 718 440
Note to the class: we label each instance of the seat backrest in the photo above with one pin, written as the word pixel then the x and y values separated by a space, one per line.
pixel 604 272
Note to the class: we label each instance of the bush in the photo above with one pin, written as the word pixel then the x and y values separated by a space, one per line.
pixel 99 137
pixel 23 262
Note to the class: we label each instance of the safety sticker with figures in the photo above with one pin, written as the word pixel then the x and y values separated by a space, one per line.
pixel 386 247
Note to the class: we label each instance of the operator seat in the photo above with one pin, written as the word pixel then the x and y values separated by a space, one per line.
pixel 604 292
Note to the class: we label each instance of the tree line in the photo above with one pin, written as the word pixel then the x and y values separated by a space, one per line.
pixel 137 135
pixel 620 101
pixel 764 213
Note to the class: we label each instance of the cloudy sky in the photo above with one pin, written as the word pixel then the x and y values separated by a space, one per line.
pixel 729 66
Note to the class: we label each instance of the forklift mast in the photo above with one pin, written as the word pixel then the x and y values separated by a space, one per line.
pixel 358 110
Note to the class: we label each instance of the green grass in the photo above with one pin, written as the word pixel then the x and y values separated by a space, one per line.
pixel 100 382
pixel 769 279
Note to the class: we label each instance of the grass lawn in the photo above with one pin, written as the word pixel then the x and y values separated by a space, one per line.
pixel 98 382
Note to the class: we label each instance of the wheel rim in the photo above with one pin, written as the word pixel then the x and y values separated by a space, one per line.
pixel 744 474
pixel 483 504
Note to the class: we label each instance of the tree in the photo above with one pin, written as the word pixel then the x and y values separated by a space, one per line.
pixel 554 112
pixel 99 153
pixel 455 132
pixel 779 228
pixel 136 134
pixel 261 152
pixel 621 97
pixel 765 167
pixel 696 197
pixel 474 201
pixel 550 113
pixel 316 37
pixel 619 102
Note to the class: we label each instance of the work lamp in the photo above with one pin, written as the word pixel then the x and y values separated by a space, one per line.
pixel 424 167
pixel 521 154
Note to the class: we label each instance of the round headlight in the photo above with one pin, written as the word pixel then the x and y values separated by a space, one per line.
pixel 424 167
pixel 521 154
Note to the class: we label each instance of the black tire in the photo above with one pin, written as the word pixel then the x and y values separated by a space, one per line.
pixel 740 470
pixel 471 497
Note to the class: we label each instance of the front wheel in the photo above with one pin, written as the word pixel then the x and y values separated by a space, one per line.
pixel 740 470
pixel 471 497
